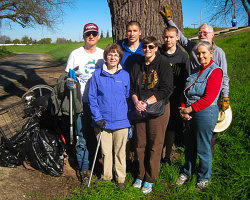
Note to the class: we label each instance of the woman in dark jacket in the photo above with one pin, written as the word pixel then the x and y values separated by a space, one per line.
pixel 151 81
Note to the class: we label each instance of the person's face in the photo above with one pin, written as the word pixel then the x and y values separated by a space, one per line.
pixel 133 33
pixel 91 38
pixel 204 55
pixel 113 59
pixel 170 39
pixel 205 34
pixel 149 50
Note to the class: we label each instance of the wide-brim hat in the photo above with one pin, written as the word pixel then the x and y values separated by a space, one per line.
pixel 224 120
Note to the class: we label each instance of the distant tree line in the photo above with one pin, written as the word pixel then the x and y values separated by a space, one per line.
pixel 28 40
pixel 102 35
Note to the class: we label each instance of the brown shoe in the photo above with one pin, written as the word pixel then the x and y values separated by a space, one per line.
pixel 121 185
pixel 83 176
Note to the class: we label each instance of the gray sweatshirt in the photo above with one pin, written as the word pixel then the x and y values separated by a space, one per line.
pixel 219 58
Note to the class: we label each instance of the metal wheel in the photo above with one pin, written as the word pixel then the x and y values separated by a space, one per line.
pixel 38 91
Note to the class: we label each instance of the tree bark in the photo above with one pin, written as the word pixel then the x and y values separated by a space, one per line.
pixel 244 3
pixel 146 12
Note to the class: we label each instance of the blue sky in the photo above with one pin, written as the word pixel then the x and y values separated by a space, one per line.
pixel 96 11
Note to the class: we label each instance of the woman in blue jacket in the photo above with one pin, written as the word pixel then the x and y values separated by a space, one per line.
pixel 108 93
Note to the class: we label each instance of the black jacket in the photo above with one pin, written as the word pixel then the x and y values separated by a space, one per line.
pixel 180 64
pixel 153 79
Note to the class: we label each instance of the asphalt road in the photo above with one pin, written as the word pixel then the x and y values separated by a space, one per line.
pixel 22 71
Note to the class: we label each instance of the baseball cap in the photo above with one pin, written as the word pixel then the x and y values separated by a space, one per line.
pixel 90 27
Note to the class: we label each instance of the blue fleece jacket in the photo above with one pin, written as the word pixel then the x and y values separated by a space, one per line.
pixel 108 95
pixel 130 57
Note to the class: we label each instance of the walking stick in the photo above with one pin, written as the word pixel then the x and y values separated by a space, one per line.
pixel 97 148
pixel 71 131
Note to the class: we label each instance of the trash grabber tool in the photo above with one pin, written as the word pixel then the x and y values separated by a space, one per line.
pixel 93 165
pixel 71 131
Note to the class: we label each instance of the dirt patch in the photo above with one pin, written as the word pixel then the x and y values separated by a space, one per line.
pixel 21 183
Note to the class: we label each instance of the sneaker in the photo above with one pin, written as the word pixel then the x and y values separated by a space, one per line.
pixel 147 187
pixel 201 185
pixel 181 180
pixel 137 183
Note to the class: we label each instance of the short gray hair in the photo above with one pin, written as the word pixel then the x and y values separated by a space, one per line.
pixel 206 25
pixel 205 44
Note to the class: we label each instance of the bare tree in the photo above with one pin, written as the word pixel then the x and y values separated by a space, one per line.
pixel 30 12
pixel 146 12
pixel 228 9
pixel 4 38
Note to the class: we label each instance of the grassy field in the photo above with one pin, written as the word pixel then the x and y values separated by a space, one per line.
pixel 231 161
pixel 60 52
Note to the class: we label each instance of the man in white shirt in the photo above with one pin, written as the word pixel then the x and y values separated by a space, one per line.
pixel 84 61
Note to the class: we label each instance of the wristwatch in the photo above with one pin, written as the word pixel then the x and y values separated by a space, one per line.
pixel 146 101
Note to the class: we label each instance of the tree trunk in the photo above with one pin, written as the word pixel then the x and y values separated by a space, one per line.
pixel 244 3
pixel 146 12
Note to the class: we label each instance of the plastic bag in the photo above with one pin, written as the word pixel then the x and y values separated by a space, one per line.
pixel 36 143
pixel 13 150
pixel 46 152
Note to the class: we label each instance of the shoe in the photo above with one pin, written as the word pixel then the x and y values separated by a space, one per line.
pixel 147 187
pixel 121 185
pixel 181 180
pixel 201 185
pixel 137 183
pixel 84 176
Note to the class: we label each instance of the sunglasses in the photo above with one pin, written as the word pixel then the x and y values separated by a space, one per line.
pixel 144 46
pixel 204 33
pixel 91 33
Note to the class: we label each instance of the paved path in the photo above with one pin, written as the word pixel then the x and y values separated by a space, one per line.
pixel 20 72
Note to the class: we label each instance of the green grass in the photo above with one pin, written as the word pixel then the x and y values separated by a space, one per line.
pixel 60 52
pixel 4 52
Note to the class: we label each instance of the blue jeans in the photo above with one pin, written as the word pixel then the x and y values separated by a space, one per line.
pixel 83 128
pixel 198 142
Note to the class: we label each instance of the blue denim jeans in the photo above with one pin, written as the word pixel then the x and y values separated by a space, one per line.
pixel 82 153
pixel 198 142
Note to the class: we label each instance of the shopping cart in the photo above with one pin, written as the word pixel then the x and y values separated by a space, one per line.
pixel 13 117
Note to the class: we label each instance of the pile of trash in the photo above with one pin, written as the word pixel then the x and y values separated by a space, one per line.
pixel 38 143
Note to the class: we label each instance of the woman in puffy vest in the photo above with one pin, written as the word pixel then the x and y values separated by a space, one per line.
pixel 199 108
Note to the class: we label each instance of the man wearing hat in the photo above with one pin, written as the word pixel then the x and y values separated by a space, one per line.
pixel 84 61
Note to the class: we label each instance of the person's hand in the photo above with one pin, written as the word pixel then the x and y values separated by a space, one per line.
pixel 101 124
pixel 184 112
pixel 70 83
pixel 166 13
pixel 140 106
pixel 186 117
pixel 224 103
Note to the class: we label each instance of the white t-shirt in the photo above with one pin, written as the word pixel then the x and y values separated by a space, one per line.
pixel 87 64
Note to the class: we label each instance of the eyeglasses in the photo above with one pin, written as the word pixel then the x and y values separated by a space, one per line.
pixel 91 33
pixel 144 46
pixel 113 56
pixel 204 33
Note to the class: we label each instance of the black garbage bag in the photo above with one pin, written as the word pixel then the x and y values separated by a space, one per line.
pixel 36 143
pixel 46 152
pixel 13 150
